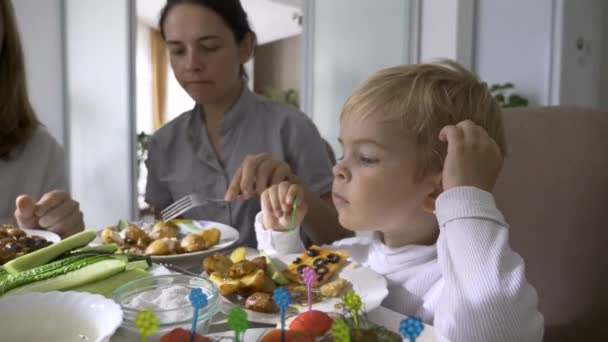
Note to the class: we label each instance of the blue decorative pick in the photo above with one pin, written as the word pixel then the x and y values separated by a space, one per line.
pixel 198 300
pixel 283 299
pixel 411 328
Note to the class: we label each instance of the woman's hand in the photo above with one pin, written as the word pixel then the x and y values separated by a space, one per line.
pixel 256 174
pixel 56 211
pixel 277 206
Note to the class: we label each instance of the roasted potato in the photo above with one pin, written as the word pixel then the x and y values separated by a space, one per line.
pixel 163 229
pixel 109 235
pixel 261 302
pixel 243 268
pixel 193 243
pixel 164 246
pixel 238 254
pixel 269 285
pixel 133 234
pixel 211 236
pixel 260 261
pixel 226 285
pixel 251 283
pixel 217 263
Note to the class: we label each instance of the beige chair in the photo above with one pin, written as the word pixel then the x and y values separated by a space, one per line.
pixel 553 190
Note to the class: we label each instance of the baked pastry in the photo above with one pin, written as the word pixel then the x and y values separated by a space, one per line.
pixel 325 262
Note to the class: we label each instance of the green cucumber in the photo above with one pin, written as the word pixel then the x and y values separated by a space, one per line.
pixel 3 274
pixel 49 271
pixel 80 276
pixel 52 266
pixel 139 264
pixel 107 248
pixel 107 286
pixel 276 276
pixel 46 254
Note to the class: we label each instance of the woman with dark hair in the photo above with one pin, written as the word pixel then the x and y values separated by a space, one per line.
pixel 32 170
pixel 233 144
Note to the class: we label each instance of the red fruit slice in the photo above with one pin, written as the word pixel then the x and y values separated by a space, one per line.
pixel 314 321
pixel 290 336
pixel 182 335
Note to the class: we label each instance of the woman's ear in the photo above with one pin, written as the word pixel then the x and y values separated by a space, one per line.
pixel 435 189
pixel 246 47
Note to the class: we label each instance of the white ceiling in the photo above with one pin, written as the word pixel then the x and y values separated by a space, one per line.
pixel 270 19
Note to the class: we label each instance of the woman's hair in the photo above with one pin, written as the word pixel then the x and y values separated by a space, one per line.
pixel 423 98
pixel 18 121
pixel 231 11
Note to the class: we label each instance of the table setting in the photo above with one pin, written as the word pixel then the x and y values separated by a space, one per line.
pixel 107 286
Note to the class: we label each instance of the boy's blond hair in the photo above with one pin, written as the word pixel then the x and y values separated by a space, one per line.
pixel 424 98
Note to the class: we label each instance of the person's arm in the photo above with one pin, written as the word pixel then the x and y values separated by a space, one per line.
pixel 486 296
pixel 307 163
pixel 274 242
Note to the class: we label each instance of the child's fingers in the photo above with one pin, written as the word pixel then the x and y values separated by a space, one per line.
pixel 295 190
pixel 275 202
pixel 452 135
pixel 283 188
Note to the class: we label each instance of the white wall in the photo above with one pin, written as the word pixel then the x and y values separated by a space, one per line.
pixel 352 39
pixel 100 95
pixel 143 72
pixel 513 44
pixel 41 35
pixel 446 30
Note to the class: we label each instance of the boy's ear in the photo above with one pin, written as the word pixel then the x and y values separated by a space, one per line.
pixel 436 188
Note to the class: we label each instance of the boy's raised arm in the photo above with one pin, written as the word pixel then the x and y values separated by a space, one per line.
pixel 486 296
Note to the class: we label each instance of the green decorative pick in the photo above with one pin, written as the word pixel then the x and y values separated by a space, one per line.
pixel 352 301
pixel 293 213
pixel 146 323
pixel 340 331
pixel 237 320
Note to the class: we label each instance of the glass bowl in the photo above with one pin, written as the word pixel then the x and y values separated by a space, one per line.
pixel 168 297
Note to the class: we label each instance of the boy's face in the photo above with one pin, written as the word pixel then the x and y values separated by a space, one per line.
pixel 374 186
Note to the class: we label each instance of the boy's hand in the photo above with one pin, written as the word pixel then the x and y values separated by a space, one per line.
pixel 473 158
pixel 277 206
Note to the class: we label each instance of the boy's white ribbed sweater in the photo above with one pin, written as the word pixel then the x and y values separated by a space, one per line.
pixel 470 286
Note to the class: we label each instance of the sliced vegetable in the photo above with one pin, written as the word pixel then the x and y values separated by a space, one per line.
pixel 46 254
pixel 3 274
pixel 109 248
pixel 101 269
pixel 107 286
pixel 52 270
pixel 275 274
pixel 140 264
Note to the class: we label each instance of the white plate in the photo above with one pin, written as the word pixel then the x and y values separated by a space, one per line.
pixel 194 260
pixel 58 316
pixel 369 285
pixel 48 235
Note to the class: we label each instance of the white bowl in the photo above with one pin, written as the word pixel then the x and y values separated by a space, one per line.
pixel 58 316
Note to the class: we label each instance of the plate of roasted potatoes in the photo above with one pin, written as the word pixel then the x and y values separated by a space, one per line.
pixel 179 242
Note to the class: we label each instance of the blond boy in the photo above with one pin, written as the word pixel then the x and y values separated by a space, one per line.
pixel 423 146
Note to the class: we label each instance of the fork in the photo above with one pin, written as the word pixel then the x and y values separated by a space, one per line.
pixel 175 268
pixel 184 204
